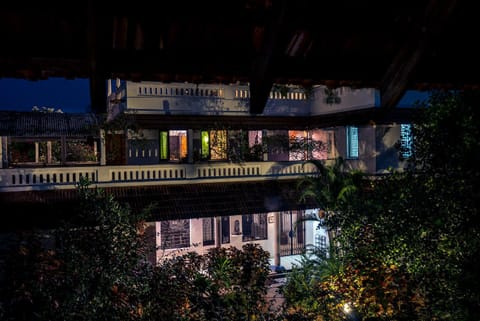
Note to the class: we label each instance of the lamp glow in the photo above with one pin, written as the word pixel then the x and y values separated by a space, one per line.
pixel 347 308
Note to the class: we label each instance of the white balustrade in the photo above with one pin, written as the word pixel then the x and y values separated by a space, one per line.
pixel 68 177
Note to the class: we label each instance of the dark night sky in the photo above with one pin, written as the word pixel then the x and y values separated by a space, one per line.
pixel 74 95
pixel 59 93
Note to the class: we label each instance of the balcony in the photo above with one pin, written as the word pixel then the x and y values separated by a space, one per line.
pixel 156 98
pixel 48 178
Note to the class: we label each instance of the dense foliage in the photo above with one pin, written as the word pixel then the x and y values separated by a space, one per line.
pixel 408 245
pixel 95 268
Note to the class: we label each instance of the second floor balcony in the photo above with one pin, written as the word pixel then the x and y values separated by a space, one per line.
pixel 48 178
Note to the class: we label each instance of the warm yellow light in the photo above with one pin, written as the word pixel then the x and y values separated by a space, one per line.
pixel 347 308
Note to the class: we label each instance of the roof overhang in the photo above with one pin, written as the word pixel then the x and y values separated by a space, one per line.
pixel 46 209
pixel 392 46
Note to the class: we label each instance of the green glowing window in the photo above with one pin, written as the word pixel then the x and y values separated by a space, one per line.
pixel 205 144
pixel 163 145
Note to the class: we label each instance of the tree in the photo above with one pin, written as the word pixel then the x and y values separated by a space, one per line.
pixel 96 269
pixel 446 158
pixel 410 240
pixel 91 272
pixel 225 284
pixel 332 188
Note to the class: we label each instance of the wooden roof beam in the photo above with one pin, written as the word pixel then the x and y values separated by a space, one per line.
pixel 401 71
pixel 261 80
pixel 98 84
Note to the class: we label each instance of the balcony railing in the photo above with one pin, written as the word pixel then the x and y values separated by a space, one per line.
pixel 21 179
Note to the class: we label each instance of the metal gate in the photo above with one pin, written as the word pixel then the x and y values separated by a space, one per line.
pixel 292 233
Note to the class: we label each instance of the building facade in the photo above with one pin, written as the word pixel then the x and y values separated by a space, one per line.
pixel 197 139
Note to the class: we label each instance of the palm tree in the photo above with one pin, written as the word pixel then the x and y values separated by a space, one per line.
pixel 331 188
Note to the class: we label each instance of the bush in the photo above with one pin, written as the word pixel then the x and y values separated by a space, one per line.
pixel 97 270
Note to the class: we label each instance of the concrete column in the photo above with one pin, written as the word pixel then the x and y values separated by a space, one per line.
pixel 103 156
pixel 49 152
pixel 37 152
pixel 109 87
pixel 127 137
pixel 264 146
pixel 218 231
pixel 190 145
pixel 95 149
pixel 118 93
pixel 63 146
pixel 1 152
pixel 6 156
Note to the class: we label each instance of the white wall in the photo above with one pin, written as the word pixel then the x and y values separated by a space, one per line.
pixel 206 99
pixel 270 244
pixel 350 99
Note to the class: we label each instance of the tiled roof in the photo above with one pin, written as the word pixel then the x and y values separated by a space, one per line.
pixel 41 124
pixel 172 201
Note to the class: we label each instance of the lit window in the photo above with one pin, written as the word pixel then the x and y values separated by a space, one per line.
pixel 298 145
pixel 164 145
pixel 254 138
pixel 205 143
pixel 352 141
pixel 177 144
pixel 173 145
pixel 319 144
pixel 406 140
pixel 218 144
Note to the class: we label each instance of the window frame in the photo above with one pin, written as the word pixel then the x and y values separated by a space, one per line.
pixel 254 227
pixel 406 141
pixel 352 142
pixel 208 231
pixel 165 148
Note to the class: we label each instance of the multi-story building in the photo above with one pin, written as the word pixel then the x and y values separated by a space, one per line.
pixel 219 175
